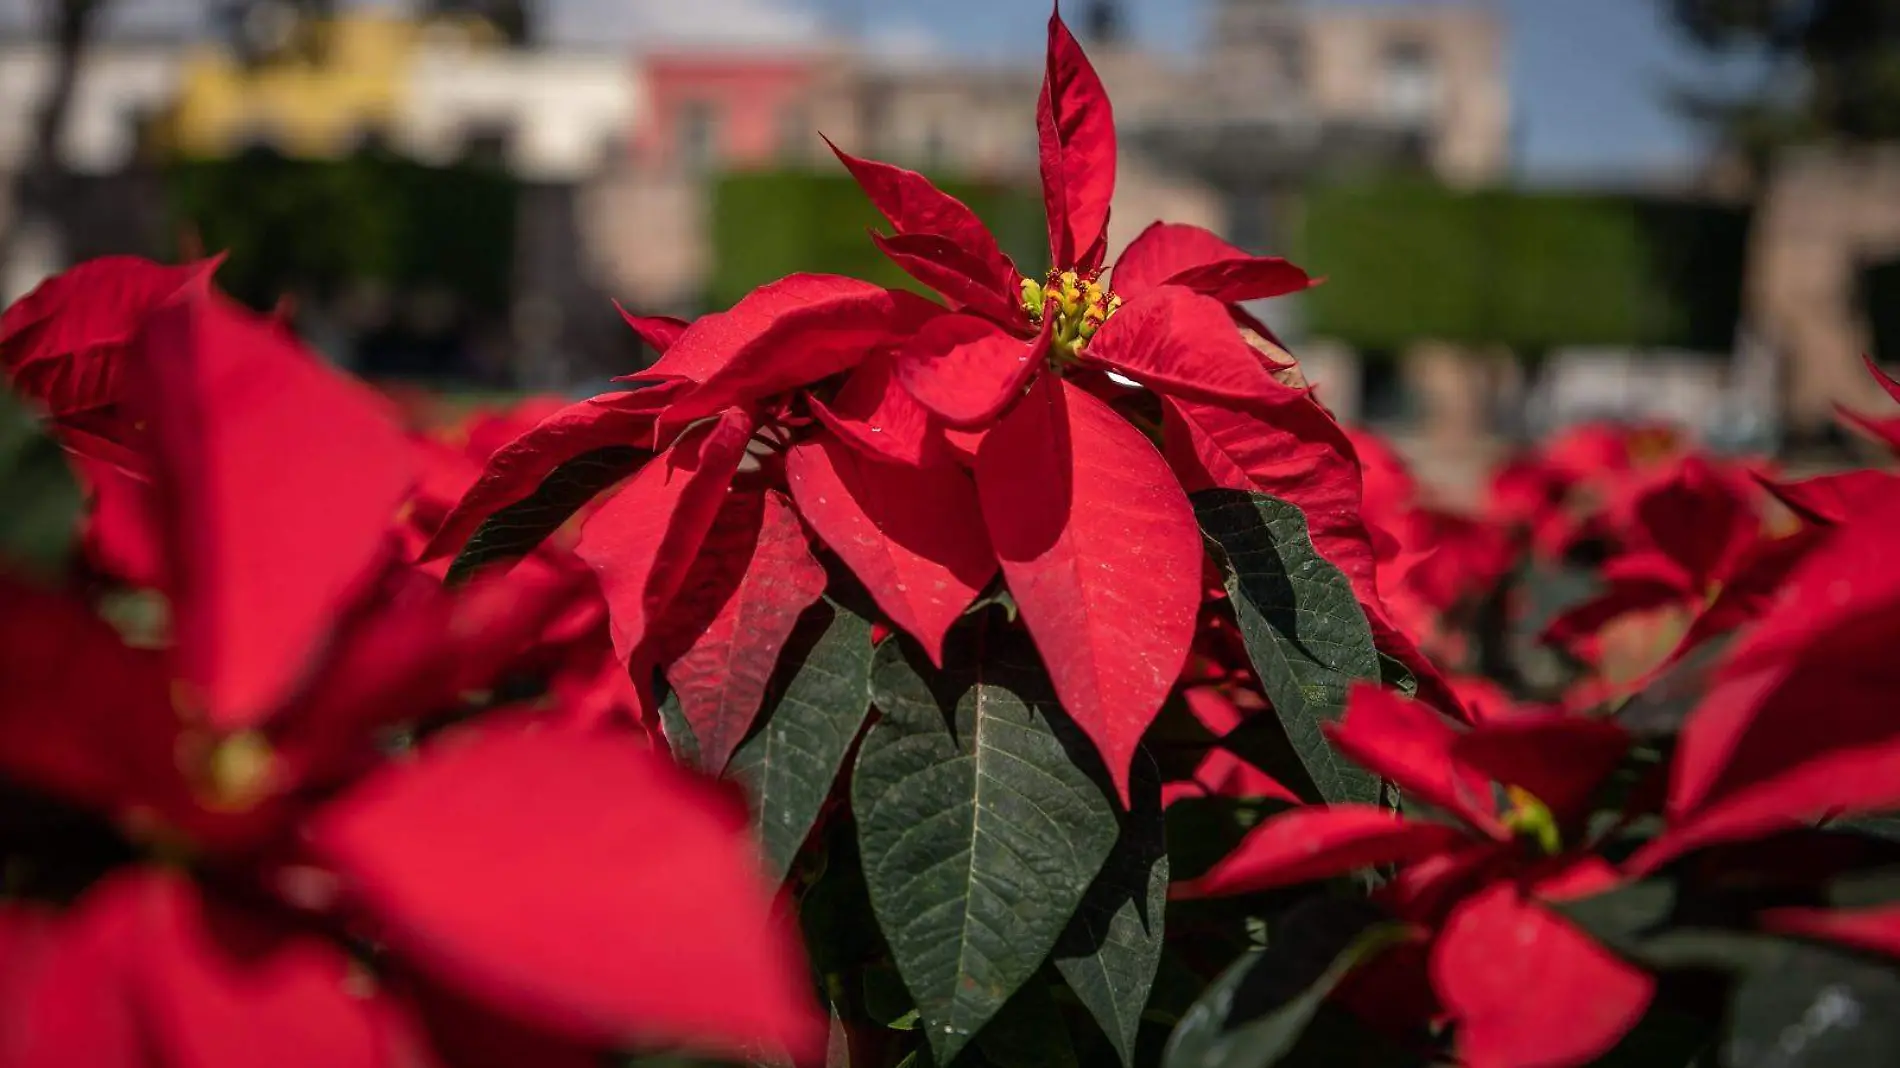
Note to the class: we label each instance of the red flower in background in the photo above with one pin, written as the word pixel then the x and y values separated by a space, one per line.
pixel 1698 555
pixel 1885 430
pixel 1523 986
pixel 1798 726
pixel 64 347
pixel 1565 493
pixel 510 875
pixel 1432 562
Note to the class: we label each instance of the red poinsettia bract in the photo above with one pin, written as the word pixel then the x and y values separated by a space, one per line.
pixel 757 420
pixel 1698 552
pixel 1504 803
pixel 1090 524
pixel 305 899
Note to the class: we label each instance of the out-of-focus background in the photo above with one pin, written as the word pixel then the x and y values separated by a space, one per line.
pixel 1531 212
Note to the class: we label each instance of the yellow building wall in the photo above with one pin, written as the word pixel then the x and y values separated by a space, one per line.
pixel 304 109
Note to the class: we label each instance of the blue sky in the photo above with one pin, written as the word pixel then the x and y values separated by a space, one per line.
pixel 1586 76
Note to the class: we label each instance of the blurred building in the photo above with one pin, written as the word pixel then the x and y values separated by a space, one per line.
pixel 1278 93
pixel 451 89
pixel 1823 261
pixel 616 152
pixel 107 193
pixel 291 80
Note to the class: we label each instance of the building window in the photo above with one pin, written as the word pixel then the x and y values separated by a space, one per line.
pixel 698 146
pixel 1409 82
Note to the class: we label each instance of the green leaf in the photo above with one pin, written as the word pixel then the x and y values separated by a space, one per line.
pixel 1625 916
pixel 1805 1005
pixel 515 530
pixel 1335 1038
pixel 1884 826
pixel 1793 1003
pixel 40 500
pixel 1394 675
pixel 885 999
pixel 1864 889
pixel 1112 946
pixel 979 832
pixel 1305 632
pixel 1028 1031
pixel 788 765
pixel 1667 1036
pixel 837 1042
pixel 1652 924
pixel 1257 1011
pixel 678 733
pixel 1203 830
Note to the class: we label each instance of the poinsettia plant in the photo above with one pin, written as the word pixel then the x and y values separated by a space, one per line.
pixel 1027 673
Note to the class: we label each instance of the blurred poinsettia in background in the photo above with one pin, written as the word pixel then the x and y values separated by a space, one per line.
pixel 1033 674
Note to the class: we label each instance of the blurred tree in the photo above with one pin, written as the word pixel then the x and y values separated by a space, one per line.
pixel 509 17
pixel 272 31
pixel 40 185
pixel 1832 70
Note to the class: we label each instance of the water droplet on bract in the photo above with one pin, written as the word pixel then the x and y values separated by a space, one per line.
pixel 877 430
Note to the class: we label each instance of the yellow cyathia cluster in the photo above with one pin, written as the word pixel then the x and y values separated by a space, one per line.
pixel 1082 306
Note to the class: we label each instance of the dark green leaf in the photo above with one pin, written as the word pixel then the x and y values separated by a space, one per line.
pixel 1396 676
pixel 679 733
pixel 1865 889
pixel 837 1043
pixel 979 839
pixel 1204 830
pixel 1112 946
pixel 1885 826
pixel 39 498
pixel 814 708
pixel 1336 1038
pixel 1028 1031
pixel 1624 917
pixel 834 910
pixel 1666 1037
pixel 886 1000
pixel 1178 739
pixel 1305 632
pixel 1805 1005
pixel 514 531
pixel 1264 742
pixel 1649 923
pixel 1255 1013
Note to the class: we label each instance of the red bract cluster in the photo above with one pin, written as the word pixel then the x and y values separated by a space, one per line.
pixel 1084 691
pixel 929 446
pixel 303 858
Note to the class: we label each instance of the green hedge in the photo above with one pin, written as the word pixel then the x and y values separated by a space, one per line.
pixel 769 224
pixel 1410 260
pixel 314 225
